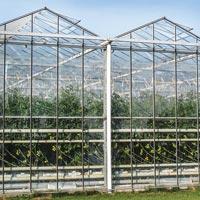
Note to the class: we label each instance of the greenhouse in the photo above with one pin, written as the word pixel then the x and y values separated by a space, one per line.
pixel 82 112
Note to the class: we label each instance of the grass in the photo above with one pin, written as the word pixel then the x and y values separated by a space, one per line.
pixel 193 194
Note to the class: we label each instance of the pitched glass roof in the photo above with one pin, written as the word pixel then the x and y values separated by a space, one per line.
pixel 47 21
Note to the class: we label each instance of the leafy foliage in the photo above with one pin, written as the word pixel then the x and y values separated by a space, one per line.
pixel 70 153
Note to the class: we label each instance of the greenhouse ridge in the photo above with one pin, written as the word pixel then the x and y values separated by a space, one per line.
pixel 80 112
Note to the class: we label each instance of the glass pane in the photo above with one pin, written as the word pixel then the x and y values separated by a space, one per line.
pixel 44 118
pixel 17 123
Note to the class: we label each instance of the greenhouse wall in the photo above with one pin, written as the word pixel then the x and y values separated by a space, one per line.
pixel 82 112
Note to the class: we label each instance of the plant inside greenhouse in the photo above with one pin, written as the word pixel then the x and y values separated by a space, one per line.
pixel 80 112
pixel 71 104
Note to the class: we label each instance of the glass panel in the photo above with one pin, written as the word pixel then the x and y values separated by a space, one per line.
pixel 165 101
pixel 17 124
pixel 93 135
pixel 121 157
pixel 143 152
pixel 186 85
pixel 70 123
pixel 187 123
pixel 44 118
pixel 142 76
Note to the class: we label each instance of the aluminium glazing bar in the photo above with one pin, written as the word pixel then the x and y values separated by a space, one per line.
pixel 105 118
pixel 131 110
pixel 57 103
pixel 176 101
pixel 82 111
pixel 31 104
pixel 197 103
pixel 154 94
pixel 4 107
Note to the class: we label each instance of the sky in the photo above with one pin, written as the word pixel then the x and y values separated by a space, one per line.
pixel 109 18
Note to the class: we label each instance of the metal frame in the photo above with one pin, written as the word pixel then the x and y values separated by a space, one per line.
pixel 113 66
pixel 108 121
pixel 106 40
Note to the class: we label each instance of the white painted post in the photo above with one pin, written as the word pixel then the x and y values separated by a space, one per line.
pixel 108 116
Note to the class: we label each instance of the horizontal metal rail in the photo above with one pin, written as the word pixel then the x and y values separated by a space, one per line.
pixel 98 141
pixel 165 130
pixel 97 167
pixel 50 130
pixel 149 117
pixel 50 44
pixel 125 130
pixel 72 130
pixel 106 40
pixel 52 35
pixel 49 178
pixel 51 117
pixel 50 141
pixel 96 47
pixel 90 117
pixel 63 177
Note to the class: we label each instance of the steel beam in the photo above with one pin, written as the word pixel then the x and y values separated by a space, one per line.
pixel 104 41
pixel 108 117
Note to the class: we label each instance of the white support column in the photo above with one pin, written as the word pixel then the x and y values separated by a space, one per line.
pixel 108 117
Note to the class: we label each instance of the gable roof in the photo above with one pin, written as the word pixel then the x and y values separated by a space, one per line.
pixel 48 18
pixel 162 26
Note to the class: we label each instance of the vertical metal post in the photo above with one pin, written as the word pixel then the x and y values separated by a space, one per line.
pixel 105 120
pixel 176 100
pixel 83 106
pixel 4 106
pixel 31 95
pixel 108 117
pixel 197 96
pixel 154 94
pixel 131 109
pixel 57 105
